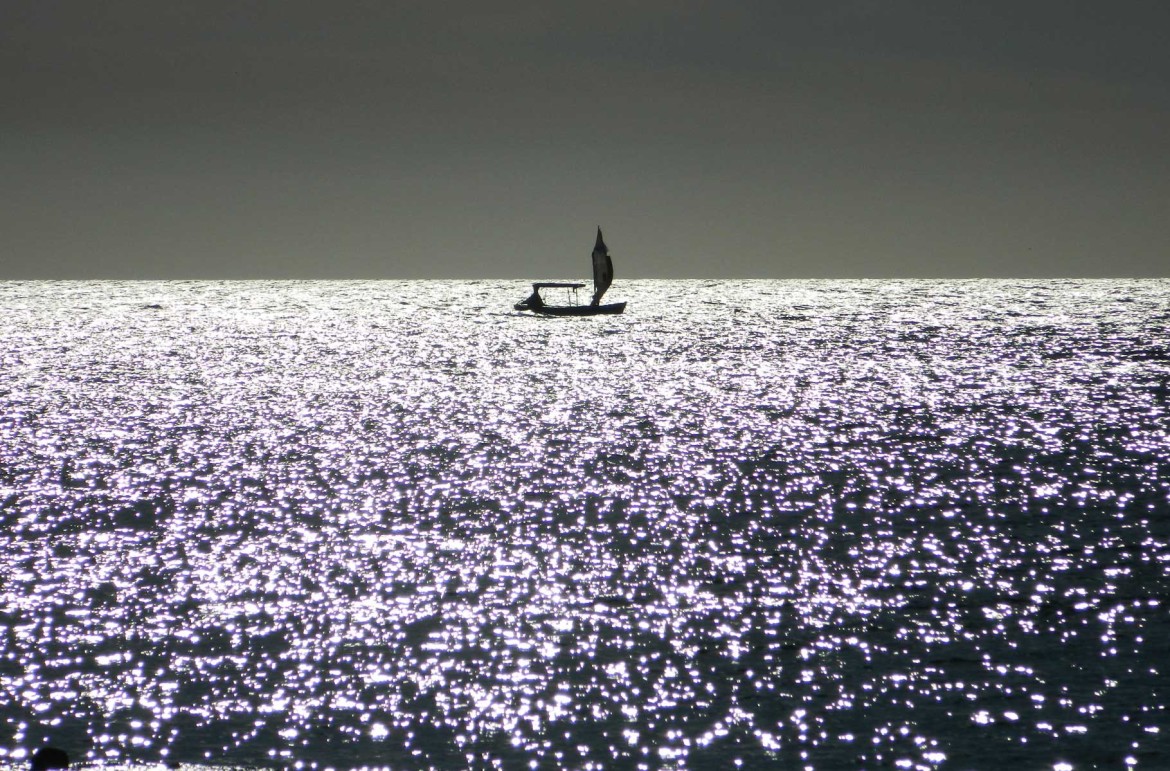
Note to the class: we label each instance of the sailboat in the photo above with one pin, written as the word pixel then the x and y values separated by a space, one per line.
pixel 602 278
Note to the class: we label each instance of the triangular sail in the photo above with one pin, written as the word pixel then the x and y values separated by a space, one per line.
pixel 602 269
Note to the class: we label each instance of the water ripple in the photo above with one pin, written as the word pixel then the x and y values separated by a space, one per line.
pixel 822 524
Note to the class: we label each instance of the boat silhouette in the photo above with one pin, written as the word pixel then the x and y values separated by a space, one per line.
pixel 602 278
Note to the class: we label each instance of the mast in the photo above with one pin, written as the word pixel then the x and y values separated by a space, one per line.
pixel 602 269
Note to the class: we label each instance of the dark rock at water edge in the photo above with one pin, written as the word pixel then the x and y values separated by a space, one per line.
pixel 49 757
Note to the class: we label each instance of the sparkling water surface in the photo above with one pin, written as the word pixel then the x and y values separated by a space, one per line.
pixel 904 524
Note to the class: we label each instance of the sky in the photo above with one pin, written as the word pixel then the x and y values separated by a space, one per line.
pixel 467 139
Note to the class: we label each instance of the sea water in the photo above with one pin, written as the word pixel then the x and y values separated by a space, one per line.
pixel 795 524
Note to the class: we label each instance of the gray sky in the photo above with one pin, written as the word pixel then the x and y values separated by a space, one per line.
pixel 467 139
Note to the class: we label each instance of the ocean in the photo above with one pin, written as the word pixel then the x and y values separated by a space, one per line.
pixel 747 524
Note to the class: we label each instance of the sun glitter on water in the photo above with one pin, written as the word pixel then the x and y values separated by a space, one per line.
pixel 826 524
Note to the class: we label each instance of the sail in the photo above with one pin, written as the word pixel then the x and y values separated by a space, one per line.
pixel 602 269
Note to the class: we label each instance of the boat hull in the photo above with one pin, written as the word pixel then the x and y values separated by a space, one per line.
pixel 578 310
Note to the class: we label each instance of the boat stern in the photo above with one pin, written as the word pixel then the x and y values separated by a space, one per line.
pixel 531 303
